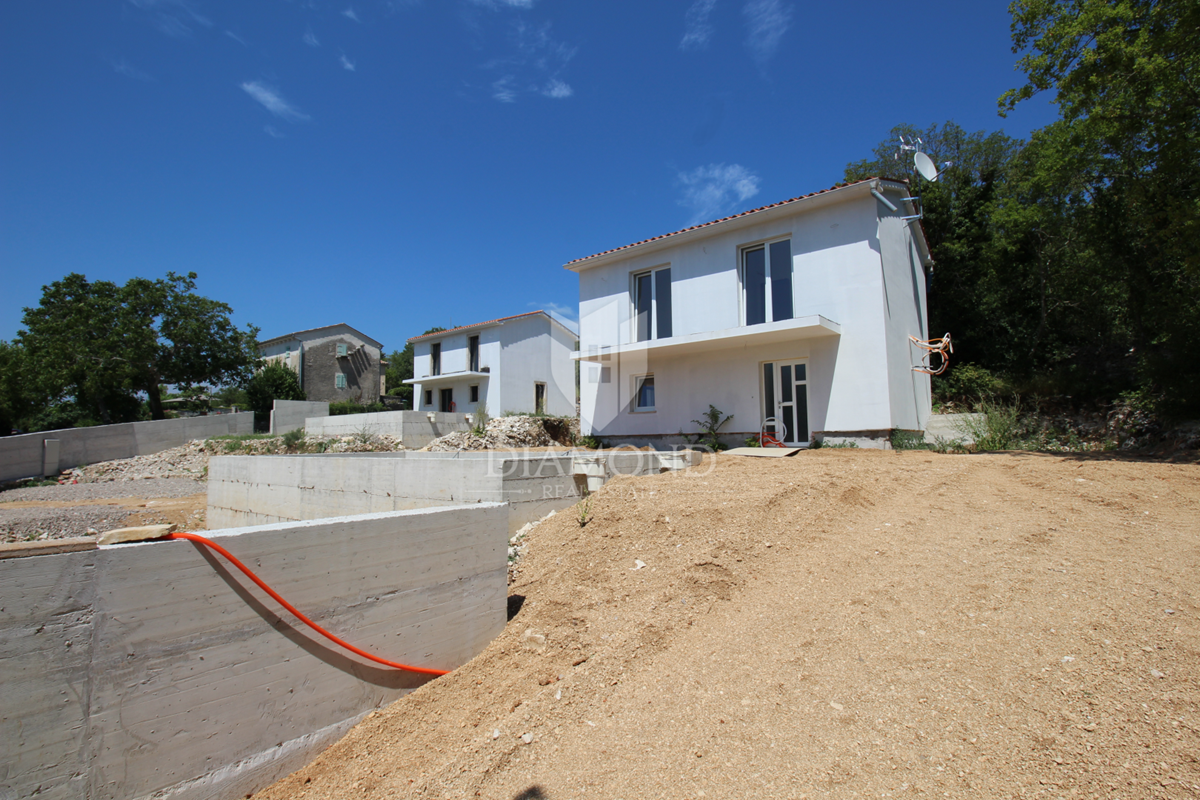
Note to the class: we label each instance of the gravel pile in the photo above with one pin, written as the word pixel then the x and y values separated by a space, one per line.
pixel 83 492
pixel 39 524
pixel 502 433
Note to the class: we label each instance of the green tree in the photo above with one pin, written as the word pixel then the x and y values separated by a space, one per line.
pixel 400 369
pixel 15 402
pixel 100 344
pixel 275 381
pixel 1124 159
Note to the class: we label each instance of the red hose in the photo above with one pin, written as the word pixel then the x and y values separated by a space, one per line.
pixel 258 581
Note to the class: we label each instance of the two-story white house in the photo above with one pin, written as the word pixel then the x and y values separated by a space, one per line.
pixel 520 363
pixel 800 311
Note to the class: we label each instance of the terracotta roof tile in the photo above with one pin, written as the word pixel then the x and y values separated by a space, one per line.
pixel 478 325
pixel 732 216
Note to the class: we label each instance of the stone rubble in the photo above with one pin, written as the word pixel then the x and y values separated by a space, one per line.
pixel 503 433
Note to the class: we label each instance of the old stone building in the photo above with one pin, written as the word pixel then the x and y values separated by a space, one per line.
pixel 335 363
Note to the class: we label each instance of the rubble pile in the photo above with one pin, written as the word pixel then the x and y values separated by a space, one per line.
pixel 191 460
pixel 503 433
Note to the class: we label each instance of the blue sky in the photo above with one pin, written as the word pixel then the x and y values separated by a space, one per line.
pixel 400 164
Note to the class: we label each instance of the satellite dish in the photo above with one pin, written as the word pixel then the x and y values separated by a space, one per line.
pixel 925 166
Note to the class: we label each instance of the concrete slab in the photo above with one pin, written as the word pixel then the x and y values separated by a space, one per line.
pixel 763 452
pixel 49 547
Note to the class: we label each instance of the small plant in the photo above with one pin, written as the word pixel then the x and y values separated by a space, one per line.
pixel 590 442
pixel 364 435
pixel 233 445
pixel 907 440
pixel 752 441
pixel 996 428
pixel 585 508
pixel 294 439
pixel 479 427
pixel 849 444
pixel 709 427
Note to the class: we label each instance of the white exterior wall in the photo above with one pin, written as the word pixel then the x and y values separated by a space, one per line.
pixel 516 354
pixel 858 380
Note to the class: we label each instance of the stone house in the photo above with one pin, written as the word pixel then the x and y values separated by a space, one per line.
pixel 335 363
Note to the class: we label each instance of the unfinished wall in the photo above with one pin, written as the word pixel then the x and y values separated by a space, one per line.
pixel 25 456
pixel 290 415
pixel 251 490
pixel 415 428
pixel 151 669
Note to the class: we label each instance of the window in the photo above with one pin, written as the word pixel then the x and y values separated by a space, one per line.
pixel 652 304
pixel 473 354
pixel 447 401
pixel 435 358
pixel 339 380
pixel 429 397
pixel 341 351
pixel 475 393
pixel 643 393
pixel 767 282
pixel 539 398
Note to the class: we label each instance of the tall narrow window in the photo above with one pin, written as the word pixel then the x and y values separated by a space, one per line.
pixel 473 353
pixel 339 381
pixel 539 398
pixel 435 358
pixel 652 305
pixel 767 282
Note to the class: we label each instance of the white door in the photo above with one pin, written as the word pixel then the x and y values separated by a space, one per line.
pixel 785 397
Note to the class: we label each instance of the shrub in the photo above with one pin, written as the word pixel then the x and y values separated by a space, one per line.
pixel 352 407
pixel 709 426
pixel 997 428
pixel 968 384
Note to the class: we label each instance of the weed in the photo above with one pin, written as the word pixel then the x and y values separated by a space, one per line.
pixel 591 442
pixel 943 445
pixel 21 484
pixel 752 441
pixel 479 428
pixel 997 427
pixel 907 440
pixel 294 440
pixel 709 426
pixel 585 508
pixel 233 445
pixel 846 445
pixel 364 435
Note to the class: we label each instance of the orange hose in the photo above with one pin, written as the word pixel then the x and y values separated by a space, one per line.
pixel 258 581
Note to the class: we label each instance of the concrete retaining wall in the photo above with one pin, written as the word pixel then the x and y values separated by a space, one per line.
pixel 415 428
pixel 156 669
pixel 251 490
pixel 26 456
pixel 290 415
pixel 948 427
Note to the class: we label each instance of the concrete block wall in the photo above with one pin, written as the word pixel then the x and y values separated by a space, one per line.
pixel 415 428
pixel 156 669
pixel 290 415
pixel 24 456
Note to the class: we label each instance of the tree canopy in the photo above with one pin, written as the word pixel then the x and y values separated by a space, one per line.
pixel 97 346
pixel 1067 263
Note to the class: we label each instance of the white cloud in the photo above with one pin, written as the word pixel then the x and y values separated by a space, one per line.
pixel 274 134
pixel 347 64
pixel 310 39
pixel 696 28
pixel 565 313
pixel 715 190
pixel 350 13
pixel 273 101
pixel 123 67
pixel 525 4
pixel 236 38
pixel 175 18
pixel 505 89
pixel 557 89
pixel 766 22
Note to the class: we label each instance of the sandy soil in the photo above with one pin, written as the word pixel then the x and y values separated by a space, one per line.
pixel 838 624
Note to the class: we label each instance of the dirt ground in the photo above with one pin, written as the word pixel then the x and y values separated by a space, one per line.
pixel 839 624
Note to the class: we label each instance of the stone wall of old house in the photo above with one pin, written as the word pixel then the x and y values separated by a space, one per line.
pixel 322 365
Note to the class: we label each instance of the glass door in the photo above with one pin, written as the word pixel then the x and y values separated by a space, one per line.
pixel 785 398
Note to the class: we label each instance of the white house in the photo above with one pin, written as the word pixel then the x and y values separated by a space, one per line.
pixel 799 311
pixel 520 363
